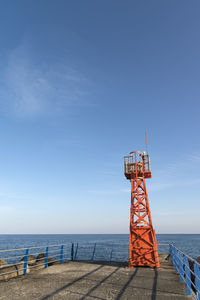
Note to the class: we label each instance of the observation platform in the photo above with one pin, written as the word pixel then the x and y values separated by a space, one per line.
pixel 97 280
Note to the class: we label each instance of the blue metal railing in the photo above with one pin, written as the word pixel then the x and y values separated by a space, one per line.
pixel 21 261
pixel 101 251
pixel 188 270
pixel 25 259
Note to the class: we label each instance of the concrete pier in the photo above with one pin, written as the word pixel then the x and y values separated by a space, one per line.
pixel 96 280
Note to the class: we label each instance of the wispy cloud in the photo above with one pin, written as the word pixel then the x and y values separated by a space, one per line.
pixel 166 177
pixel 182 172
pixel 125 190
pixel 33 89
pixel 102 192
pixel 157 186
pixel 195 156
pixel 115 191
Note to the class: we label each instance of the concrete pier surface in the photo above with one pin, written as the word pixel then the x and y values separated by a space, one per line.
pixel 96 280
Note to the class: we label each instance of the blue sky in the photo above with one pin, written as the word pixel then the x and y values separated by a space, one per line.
pixel 79 83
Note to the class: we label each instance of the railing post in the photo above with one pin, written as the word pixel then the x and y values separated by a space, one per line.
pixel 46 258
pixel 171 253
pixel 170 249
pixel 173 256
pixel 93 251
pixel 187 276
pixel 76 251
pixel 176 260
pixel 111 253
pixel 61 254
pixel 197 280
pixel 72 252
pixel 26 261
pixel 180 267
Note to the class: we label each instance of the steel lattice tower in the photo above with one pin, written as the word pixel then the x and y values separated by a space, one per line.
pixel 142 241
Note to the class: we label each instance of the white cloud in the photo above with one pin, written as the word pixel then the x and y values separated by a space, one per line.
pixel 125 190
pixel 32 89
pixel 182 172
pixel 102 192
pixel 156 186
pixel 195 156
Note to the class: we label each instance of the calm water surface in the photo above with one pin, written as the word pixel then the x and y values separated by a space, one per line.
pixel 188 243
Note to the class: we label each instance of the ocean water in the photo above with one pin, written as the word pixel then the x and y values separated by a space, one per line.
pixel 188 243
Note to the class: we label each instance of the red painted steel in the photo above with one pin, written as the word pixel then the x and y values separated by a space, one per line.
pixel 142 241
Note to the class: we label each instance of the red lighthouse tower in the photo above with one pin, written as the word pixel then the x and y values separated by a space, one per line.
pixel 142 241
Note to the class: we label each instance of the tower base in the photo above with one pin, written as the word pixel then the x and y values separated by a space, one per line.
pixel 142 247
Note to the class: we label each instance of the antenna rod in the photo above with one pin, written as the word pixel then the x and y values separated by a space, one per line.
pixel 146 141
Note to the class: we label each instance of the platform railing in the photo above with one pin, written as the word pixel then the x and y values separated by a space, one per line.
pixel 188 270
pixel 101 251
pixel 22 260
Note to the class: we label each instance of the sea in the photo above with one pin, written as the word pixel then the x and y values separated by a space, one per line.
pixel 188 243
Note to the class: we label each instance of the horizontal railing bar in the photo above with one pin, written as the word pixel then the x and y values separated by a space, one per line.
pixel 186 265
pixel 69 244
pixel 35 266
pixel 34 254
pixel 190 272
pixel 187 275
pixel 39 247
pixel 12 265
pixel 190 258
pixel 180 267
pixel 9 257
pixel 9 272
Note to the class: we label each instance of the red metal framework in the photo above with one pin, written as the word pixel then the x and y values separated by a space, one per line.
pixel 142 241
